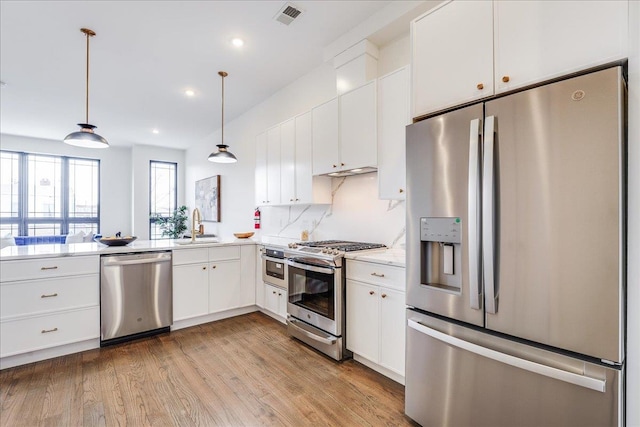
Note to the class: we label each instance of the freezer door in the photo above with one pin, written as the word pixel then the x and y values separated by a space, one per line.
pixel 554 243
pixel 461 377
pixel 443 155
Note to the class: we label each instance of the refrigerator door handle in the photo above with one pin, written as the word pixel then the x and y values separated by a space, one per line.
pixel 473 225
pixel 488 232
pixel 537 368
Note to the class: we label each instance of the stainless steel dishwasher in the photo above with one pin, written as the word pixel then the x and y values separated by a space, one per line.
pixel 136 296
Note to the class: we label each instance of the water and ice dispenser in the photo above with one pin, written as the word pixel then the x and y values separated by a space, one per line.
pixel 441 253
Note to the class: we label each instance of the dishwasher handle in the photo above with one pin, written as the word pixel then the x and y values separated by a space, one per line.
pixel 136 259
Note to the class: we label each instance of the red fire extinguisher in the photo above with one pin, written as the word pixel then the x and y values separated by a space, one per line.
pixel 256 219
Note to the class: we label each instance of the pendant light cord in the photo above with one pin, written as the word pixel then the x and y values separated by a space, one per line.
pixel 87 97
pixel 89 33
pixel 222 127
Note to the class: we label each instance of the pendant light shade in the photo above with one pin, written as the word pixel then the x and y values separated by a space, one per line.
pixel 86 137
pixel 222 155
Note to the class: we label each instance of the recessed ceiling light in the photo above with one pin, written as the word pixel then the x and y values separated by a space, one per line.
pixel 237 42
pixel 189 93
pixel 155 131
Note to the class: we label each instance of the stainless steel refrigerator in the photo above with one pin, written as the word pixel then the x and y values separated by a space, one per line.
pixel 516 258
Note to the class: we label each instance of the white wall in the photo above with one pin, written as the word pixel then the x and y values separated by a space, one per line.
pixel 124 172
pixel 633 215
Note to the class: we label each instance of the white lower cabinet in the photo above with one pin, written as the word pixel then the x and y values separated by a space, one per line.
pixel 275 301
pixel 224 285
pixel 48 305
pixel 210 280
pixel 190 290
pixel 376 315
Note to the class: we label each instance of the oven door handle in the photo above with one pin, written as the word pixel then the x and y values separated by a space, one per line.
pixel 315 268
pixel 323 340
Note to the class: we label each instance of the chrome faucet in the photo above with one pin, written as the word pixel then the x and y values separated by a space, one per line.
pixel 194 215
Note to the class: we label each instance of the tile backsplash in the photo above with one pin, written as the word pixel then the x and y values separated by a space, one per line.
pixel 356 214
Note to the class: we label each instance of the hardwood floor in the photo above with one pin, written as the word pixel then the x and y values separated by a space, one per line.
pixel 243 371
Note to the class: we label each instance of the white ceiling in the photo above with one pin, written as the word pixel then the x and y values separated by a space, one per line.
pixel 146 54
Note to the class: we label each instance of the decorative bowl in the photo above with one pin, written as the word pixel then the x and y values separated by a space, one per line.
pixel 117 241
pixel 244 235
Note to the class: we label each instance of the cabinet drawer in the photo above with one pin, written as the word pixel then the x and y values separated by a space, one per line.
pixel 190 256
pixel 224 252
pixel 39 296
pixel 378 274
pixel 37 333
pixel 49 267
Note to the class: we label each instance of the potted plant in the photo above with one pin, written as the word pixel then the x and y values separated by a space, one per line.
pixel 175 225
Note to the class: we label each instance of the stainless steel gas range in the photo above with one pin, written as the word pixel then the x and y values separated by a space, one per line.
pixel 316 283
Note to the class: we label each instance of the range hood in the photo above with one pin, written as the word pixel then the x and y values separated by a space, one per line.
pixel 350 172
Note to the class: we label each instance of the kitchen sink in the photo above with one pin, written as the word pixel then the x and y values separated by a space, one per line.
pixel 198 241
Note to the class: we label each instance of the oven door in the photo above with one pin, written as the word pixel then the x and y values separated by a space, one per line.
pixel 274 271
pixel 316 295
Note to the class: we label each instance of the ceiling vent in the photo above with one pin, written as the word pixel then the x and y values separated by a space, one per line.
pixel 287 14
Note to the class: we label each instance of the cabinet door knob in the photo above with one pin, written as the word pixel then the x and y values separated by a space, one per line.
pixel 335 166
pixel 213 266
pixel 341 164
pixel 480 86
pixel 279 294
pixel 371 292
pixel 291 200
pixel 204 268
pixel 297 200
pixel 505 79
pixel 383 295
pixel 401 190
pixel 49 296
pixel 274 292
pixel 377 274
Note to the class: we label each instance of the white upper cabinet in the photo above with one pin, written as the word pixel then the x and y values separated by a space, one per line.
pixel 288 161
pixel 393 117
pixel 273 166
pixel 261 169
pixel 284 166
pixel 452 55
pixel 358 130
pixel 463 51
pixel 539 40
pixel 345 132
pixel 326 136
pixel 308 188
pixel 267 172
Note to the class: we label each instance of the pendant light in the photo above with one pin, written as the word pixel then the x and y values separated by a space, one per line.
pixel 223 155
pixel 86 137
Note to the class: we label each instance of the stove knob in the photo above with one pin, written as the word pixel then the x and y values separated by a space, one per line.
pixel 325 250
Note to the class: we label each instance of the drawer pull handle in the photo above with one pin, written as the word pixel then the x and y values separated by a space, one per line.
pixel 383 295
pixel 378 274
pixel 46 331
pixel 49 296
pixel 55 267
pixel 371 292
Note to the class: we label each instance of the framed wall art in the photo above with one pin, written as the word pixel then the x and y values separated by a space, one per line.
pixel 208 198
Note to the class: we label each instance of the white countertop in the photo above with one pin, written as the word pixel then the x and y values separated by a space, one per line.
pixel 394 257
pixel 78 249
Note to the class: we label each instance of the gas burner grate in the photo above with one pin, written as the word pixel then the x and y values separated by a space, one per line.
pixel 342 245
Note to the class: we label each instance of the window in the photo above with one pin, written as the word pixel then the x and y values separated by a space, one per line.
pixel 163 197
pixel 48 195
